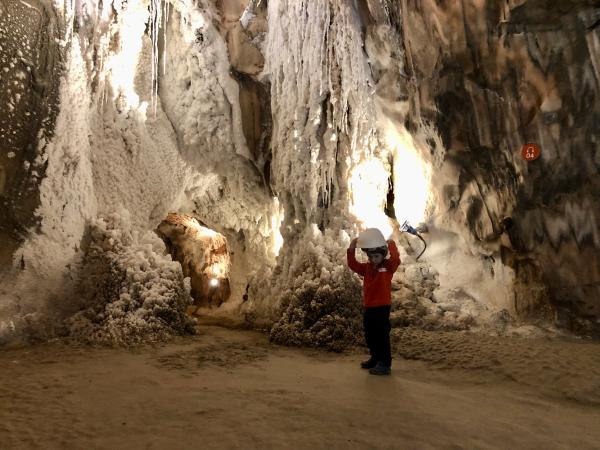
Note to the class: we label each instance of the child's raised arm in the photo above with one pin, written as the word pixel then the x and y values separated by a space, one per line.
pixel 394 260
pixel 354 265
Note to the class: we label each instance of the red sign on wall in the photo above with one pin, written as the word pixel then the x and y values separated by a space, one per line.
pixel 531 152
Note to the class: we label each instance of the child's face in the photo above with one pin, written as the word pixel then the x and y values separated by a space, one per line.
pixel 375 258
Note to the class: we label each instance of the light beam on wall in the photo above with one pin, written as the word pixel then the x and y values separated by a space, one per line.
pixel 369 187
pixel 123 62
pixel 412 177
pixel 276 220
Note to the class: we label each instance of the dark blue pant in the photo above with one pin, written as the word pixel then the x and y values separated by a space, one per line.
pixel 376 322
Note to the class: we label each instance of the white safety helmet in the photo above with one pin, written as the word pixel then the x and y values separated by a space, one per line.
pixel 371 238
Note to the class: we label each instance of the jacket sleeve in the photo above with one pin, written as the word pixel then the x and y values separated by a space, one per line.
pixel 356 266
pixel 394 261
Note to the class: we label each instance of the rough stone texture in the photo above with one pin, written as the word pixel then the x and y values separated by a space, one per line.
pixel 30 64
pixel 203 255
pixel 131 292
pixel 477 79
pixel 244 37
pixel 492 76
pixel 244 40
pixel 320 314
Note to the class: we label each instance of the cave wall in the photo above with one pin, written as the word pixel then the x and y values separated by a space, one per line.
pixel 121 146
pixel 492 76
pixel 203 255
pixel 254 112
pixel 30 65
pixel 470 82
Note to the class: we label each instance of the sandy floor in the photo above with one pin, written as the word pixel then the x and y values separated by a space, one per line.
pixel 231 389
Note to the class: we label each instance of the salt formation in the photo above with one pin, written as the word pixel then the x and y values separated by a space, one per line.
pixel 323 121
pixel 356 149
pixel 202 101
pixel 320 96
pixel 486 266
pixel 131 291
pixel 111 151
pixel 311 296
pixel 29 79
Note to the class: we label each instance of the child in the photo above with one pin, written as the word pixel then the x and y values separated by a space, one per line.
pixel 377 286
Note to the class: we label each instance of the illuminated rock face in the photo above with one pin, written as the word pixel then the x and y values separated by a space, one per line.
pixel 349 113
pixel 203 255
pixel 491 77
pixel 470 83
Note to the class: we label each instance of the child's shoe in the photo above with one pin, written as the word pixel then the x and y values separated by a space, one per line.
pixel 380 369
pixel 368 364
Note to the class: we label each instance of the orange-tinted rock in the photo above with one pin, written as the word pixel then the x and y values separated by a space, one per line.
pixel 203 254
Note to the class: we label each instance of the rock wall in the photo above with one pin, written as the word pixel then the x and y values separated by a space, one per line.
pixel 471 82
pixel 491 77
pixel 127 140
pixel 30 66
pixel 203 255
pixel 319 113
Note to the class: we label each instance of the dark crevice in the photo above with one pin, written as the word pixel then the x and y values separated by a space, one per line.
pixel 389 205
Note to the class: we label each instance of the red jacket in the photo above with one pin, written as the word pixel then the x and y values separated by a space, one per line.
pixel 377 286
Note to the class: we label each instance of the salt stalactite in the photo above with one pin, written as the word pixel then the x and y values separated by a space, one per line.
pixel 321 91
pixel 324 124
pixel 97 18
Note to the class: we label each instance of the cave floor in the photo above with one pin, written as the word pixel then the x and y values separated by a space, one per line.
pixel 232 389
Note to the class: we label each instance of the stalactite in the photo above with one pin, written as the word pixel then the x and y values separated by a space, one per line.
pixel 314 50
